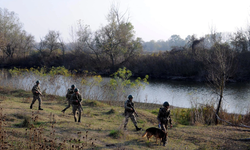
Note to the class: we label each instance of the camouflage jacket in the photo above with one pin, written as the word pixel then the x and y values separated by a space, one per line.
pixel 69 93
pixel 164 115
pixel 75 97
pixel 128 105
pixel 36 88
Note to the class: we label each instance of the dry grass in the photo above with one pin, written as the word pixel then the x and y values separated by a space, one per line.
pixel 101 127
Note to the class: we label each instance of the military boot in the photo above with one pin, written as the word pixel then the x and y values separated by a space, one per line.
pixel 31 106
pixel 40 108
pixel 79 119
pixel 75 119
pixel 137 129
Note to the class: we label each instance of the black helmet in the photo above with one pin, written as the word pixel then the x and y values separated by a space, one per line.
pixel 165 104
pixel 37 81
pixel 76 90
pixel 130 96
pixel 73 86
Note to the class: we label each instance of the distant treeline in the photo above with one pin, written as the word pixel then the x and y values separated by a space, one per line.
pixel 115 46
pixel 175 65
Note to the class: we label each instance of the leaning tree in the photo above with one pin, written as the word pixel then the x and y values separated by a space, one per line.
pixel 220 64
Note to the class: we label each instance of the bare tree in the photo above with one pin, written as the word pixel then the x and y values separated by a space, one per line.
pixel 51 41
pixel 10 27
pixel 240 41
pixel 40 46
pixel 63 47
pixel 80 38
pixel 219 62
pixel 13 40
pixel 116 40
pixel 26 43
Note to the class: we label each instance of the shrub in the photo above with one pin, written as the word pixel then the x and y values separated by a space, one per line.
pixel 91 103
pixel 26 123
pixel 111 111
pixel 116 133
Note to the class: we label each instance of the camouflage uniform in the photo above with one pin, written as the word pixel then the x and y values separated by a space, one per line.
pixel 68 96
pixel 129 113
pixel 164 118
pixel 36 96
pixel 76 105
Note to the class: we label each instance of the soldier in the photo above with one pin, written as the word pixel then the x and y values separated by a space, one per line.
pixel 68 96
pixel 164 118
pixel 76 99
pixel 36 95
pixel 129 113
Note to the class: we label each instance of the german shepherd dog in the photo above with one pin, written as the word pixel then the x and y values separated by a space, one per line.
pixel 157 133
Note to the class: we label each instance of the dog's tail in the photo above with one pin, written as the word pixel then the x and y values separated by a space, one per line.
pixel 145 134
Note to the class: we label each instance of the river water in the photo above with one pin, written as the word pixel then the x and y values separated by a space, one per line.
pixel 177 93
pixel 187 94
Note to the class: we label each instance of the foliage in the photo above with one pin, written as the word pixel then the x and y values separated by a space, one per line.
pixel 116 134
pixel 91 103
pixel 59 71
pixel 92 83
pixel 182 116
pixel 40 71
pixel 14 41
pixel 121 82
pixel 27 123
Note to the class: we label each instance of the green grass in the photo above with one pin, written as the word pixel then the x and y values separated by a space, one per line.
pixel 102 126
pixel 116 134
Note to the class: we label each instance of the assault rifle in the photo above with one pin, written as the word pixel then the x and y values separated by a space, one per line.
pixel 79 104
pixel 133 110
pixel 39 92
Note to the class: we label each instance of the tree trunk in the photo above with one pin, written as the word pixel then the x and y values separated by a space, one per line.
pixel 222 85
pixel 113 63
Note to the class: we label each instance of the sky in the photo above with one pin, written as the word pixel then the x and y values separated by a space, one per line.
pixel 152 19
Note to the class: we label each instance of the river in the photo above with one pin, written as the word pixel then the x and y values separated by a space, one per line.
pixel 185 93
pixel 177 93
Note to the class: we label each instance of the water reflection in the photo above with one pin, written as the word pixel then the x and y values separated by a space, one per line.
pixel 178 93
pixel 182 94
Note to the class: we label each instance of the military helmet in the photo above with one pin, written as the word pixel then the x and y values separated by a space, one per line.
pixel 37 81
pixel 165 104
pixel 130 96
pixel 76 90
pixel 73 86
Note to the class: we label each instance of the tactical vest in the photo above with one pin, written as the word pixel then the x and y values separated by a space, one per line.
pixel 34 89
pixel 70 92
pixel 164 115
pixel 75 97
pixel 129 104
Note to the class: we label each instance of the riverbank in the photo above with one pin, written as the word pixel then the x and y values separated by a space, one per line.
pixel 101 126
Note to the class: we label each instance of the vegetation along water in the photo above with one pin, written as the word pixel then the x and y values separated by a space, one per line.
pixel 210 110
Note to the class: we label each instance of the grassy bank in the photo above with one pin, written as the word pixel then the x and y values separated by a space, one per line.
pixel 101 126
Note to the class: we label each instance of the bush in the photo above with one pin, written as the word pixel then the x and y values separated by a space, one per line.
pixel 91 103
pixel 27 123
pixel 182 116
pixel 116 134
pixel 111 111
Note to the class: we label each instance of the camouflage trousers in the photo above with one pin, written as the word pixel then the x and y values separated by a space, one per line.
pixel 39 100
pixel 132 117
pixel 164 127
pixel 77 108
pixel 69 102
